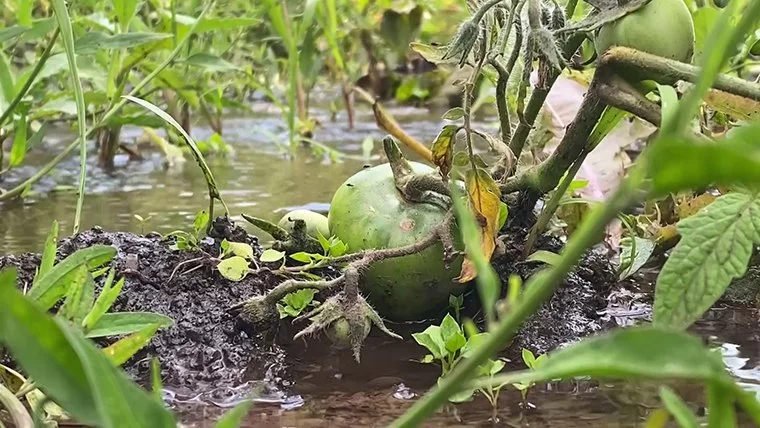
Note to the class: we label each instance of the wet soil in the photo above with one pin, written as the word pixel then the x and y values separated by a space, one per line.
pixel 209 351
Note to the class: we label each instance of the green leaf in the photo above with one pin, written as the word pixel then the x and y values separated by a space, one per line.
pixel 126 322
pixel 104 301
pixel 503 214
pixel 607 123
pixel 451 334
pixel 213 189
pixel 241 249
pixel 271 256
pixel 96 41
pixel 432 341
pixel 123 349
pixel 337 248
pixel 643 352
pixel 156 384
pixel 12 32
pixel 235 416
pixel 120 402
pixel 36 138
pixel 680 410
pixel 200 221
pixel 7 85
pixel 704 20
pixel 669 101
pixel 455 113
pixel 302 257
pixel 64 23
pixel 432 54
pixel 300 299
pixel 48 254
pixel 53 286
pixel 37 345
pixel 635 253
pixel 24 12
pixel 211 62
pixel 472 344
pixel 125 10
pixel 234 268
pixel 528 358
pixel 715 247
pixel 79 296
pixel 732 160
pixel 544 256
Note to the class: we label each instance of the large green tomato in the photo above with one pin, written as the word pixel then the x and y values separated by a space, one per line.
pixel 369 212
pixel 662 27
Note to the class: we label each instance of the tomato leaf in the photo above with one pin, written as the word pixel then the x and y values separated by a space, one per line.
pixel 732 160
pixel 443 148
pixel 486 206
pixel 715 247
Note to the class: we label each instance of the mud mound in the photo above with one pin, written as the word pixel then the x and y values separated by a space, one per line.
pixel 573 310
pixel 208 350
pixel 205 348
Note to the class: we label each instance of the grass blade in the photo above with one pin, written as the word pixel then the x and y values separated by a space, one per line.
pixel 104 301
pixel 213 190
pixel 53 286
pixel 127 323
pixel 64 23
pixel 123 349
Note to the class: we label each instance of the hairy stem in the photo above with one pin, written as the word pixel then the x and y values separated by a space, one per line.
pixel 545 176
pixel 621 95
pixel 537 99
pixel 626 58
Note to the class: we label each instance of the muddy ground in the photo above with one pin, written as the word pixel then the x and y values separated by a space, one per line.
pixel 208 348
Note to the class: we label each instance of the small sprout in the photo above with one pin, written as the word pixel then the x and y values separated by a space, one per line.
pixel 295 303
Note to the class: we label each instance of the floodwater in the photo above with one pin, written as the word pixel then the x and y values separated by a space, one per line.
pixel 325 387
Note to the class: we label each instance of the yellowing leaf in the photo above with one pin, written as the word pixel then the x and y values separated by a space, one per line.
pixel 485 205
pixel 443 149
pixel 122 350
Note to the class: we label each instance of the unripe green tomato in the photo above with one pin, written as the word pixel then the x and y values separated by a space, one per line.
pixel 339 332
pixel 315 222
pixel 368 212
pixel 662 27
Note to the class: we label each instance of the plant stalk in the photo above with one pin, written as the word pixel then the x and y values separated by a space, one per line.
pixel 32 76
pixel 19 189
pixel 539 289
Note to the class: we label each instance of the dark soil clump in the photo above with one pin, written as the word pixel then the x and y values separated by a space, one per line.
pixel 205 348
pixel 574 310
